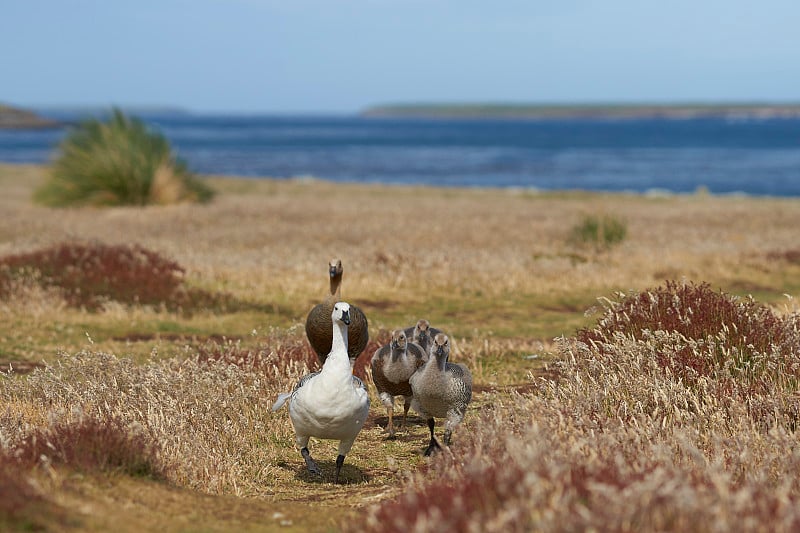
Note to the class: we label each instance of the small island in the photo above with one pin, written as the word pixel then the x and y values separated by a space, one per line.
pixel 15 118
pixel 584 111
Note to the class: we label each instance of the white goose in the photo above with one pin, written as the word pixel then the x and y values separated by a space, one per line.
pixel 329 404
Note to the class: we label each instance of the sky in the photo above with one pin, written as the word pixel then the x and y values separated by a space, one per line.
pixel 342 56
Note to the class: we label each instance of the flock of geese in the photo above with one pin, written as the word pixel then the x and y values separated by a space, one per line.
pixel 333 404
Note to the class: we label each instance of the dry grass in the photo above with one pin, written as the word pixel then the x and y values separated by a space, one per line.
pixel 123 407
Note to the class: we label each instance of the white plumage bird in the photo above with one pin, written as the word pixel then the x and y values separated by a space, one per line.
pixel 329 404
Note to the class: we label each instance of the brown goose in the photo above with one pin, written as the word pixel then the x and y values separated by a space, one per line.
pixel 392 365
pixel 441 390
pixel 423 334
pixel 319 327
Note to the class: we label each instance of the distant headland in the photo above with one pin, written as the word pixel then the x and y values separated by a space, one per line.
pixel 13 117
pixel 587 111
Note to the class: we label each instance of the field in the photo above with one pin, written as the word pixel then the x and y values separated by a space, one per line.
pixel 565 432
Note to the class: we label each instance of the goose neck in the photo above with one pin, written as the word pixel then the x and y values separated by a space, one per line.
pixel 397 354
pixel 336 282
pixel 339 343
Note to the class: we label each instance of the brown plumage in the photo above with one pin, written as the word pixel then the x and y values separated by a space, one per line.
pixel 392 366
pixel 319 326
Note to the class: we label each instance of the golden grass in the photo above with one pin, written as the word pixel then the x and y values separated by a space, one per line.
pixel 498 270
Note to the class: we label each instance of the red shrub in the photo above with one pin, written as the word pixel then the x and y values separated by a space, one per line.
pixel 698 313
pixel 88 274
pixel 92 444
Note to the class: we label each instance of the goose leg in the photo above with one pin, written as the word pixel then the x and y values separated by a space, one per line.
pixel 312 466
pixel 390 425
pixel 406 405
pixel 339 463
pixel 434 444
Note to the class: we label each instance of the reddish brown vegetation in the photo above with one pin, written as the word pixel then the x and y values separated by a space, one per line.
pixel 790 256
pixel 91 443
pixel 87 275
pixel 726 325
pixel 16 492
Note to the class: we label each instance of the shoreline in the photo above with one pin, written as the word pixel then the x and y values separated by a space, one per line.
pixel 489 111
pixel 223 182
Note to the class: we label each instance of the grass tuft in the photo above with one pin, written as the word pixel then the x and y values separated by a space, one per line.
pixel 119 162
pixel 601 231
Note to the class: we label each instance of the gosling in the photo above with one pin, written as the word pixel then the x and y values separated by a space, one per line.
pixel 392 365
pixel 423 334
pixel 441 390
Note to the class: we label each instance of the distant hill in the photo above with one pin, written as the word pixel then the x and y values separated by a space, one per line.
pixel 12 117
pixel 559 111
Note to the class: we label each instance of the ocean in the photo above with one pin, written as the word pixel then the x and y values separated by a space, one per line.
pixel 723 156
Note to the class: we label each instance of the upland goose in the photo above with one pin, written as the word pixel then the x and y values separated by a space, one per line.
pixel 441 390
pixel 329 404
pixel 422 333
pixel 392 365
pixel 318 321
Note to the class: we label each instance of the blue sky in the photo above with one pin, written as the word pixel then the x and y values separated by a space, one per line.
pixel 342 56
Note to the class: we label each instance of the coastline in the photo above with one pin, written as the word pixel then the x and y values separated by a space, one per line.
pixel 16 118
pixel 584 111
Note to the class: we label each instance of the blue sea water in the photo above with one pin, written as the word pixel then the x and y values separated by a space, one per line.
pixel 751 156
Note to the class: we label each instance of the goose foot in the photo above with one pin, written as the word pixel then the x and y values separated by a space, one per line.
pixel 310 464
pixel 339 463
pixel 434 444
pixel 432 447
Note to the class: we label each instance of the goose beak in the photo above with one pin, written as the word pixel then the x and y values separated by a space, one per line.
pixel 346 317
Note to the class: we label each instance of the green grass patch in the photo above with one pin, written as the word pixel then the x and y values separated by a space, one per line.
pixel 119 162
pixel 601 231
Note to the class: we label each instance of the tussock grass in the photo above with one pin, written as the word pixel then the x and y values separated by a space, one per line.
pixel 602 231
pixel 119 162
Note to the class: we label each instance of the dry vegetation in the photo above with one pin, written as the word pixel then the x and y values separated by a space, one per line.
pixel 662 405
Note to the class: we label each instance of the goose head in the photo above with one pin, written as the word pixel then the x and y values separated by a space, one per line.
pixel 441 347
pixel 335 273
pixel 421 329
pixel 399 340
pixel 335 268
pixel 341 313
